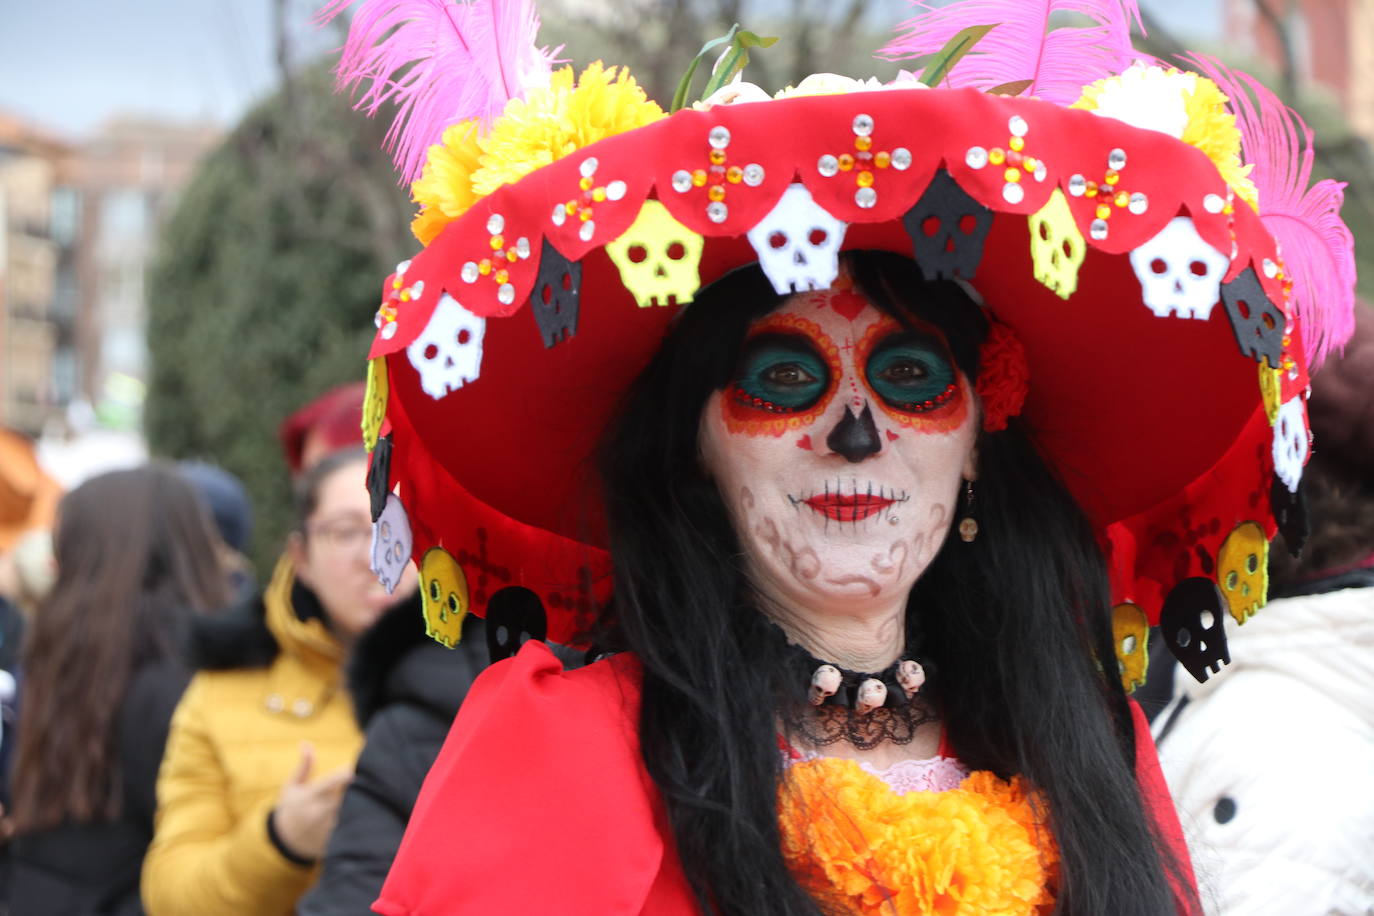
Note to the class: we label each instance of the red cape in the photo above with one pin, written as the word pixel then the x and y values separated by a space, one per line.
pixel 539 802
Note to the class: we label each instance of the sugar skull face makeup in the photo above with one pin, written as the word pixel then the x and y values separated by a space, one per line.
pixel 839 448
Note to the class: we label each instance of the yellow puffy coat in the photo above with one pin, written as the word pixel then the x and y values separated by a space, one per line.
pixel 235 739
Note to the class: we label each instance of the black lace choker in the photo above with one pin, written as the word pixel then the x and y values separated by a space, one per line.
pixel 863 708
pixel 830 685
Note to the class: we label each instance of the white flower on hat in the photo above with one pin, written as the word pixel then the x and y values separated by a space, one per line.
pixel 1185 106
pixel 1145 96
pixel 816 84
pixel 822 84
pixel 732 93
pixel 837 84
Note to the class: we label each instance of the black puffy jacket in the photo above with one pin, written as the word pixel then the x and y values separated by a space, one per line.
pixel 80 869
pixel 406 690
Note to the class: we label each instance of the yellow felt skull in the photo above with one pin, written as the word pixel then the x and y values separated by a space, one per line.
pixel 445 591
pixel 1057 247
pixel 1131 634
pixel 374 401
pixel 1270 390
pixel 1243 570
pixel 658 257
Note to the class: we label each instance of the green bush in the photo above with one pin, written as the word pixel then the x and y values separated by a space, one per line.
pixel 262 293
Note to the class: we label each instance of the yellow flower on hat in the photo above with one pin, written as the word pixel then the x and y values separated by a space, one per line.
pixel 1212 129
pixel 553 121
pixel 1180 104
pixel 444 188
pixel 549 123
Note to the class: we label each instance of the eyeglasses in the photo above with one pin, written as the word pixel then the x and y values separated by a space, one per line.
pixel 342 535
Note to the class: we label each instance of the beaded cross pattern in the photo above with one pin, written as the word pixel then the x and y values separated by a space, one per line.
pixel 492 267
pixel 1014 160
pixel 718 178
pixel 864 163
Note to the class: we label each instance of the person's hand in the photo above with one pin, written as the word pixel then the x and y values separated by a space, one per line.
pixel 306 811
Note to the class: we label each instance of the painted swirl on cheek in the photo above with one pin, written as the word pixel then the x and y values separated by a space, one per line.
pixel 912 377
pixel 786 377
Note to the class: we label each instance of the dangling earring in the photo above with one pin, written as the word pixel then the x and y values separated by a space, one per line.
pixel 968 525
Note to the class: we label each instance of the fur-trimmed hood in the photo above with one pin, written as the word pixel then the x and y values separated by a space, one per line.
pixel 251 634
pixel 395 662
pixel 236 637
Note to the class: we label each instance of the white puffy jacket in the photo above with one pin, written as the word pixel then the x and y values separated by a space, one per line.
pixel 1271 762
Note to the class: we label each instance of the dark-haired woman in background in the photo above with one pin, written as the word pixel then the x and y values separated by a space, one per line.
pixel 263 743
pixel 103 668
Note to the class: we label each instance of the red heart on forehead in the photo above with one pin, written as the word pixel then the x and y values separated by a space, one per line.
pixel 844 301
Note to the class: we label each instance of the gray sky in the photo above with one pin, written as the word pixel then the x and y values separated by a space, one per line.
pixel 71 64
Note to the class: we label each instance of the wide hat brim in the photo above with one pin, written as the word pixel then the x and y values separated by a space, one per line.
pixel 1162 425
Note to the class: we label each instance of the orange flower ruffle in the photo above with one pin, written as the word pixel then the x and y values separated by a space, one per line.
pixel 858 847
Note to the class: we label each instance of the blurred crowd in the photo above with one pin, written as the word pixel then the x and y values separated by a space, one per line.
pixel 180 737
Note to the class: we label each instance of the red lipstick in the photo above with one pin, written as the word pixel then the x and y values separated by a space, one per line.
pixel 848 507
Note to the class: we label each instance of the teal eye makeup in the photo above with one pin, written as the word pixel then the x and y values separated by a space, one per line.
pixel 781 373
pixel 911 373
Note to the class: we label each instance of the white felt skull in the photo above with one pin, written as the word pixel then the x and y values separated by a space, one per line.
pixel 448 352
pixel 391 543
pixel 1290 443
pixel 659 258
pixel 798 243
pixel 1179 273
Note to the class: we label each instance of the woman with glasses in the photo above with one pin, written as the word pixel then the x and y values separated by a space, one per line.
pixel 264 741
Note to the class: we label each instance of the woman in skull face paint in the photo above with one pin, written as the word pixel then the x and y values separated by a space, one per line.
pixel 819 700
pixel 802 630
pixel 785 486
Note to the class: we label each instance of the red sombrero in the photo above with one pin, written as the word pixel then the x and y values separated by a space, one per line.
pixel 1167 374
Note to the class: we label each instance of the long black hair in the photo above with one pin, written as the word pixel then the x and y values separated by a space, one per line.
pixel 1017 623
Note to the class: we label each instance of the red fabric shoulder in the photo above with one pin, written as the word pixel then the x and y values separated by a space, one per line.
pixel 1159 804
pixel 539 802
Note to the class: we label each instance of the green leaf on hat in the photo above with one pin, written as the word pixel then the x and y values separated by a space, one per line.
pixel 944 60
pixel 737 43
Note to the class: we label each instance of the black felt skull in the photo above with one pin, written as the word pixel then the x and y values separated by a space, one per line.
pixel 379 476
pixel 1191 622
pixel 554 301
pixel 1258 323
pixel 947 229
pixel 515 615
pixel 1290 513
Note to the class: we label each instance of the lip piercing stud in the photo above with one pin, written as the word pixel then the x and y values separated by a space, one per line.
pixel 892 519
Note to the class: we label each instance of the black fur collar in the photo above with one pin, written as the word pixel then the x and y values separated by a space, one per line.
pixel 395 661
pixel 238 637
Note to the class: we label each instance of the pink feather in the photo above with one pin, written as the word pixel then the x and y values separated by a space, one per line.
pixel 440 62
pixel 1318 249
pixel 1058 62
